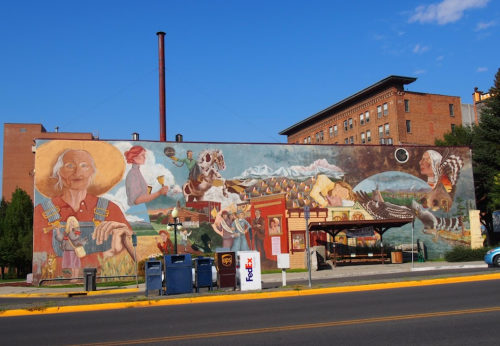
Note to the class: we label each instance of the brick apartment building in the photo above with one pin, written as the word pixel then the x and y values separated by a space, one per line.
pixel 478 97
pixel 383 113
pixel 19 157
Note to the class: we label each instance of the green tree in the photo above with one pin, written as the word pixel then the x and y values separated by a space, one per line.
pixel 486 158
pixel 3 211
pixel 461 135
pixel 485 141
pixel 16 248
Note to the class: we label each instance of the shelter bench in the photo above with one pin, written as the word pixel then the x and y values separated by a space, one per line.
pixel 361 258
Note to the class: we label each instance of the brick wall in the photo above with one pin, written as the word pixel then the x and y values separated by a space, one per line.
pixel 18 156
pixel 429 116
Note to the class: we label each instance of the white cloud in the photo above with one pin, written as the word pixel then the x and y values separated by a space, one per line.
pixel 378 37
pixel 483 25
pixel 481 69
pixel 420 71
pixel 439 58
pixel 420 49
pixel 447 11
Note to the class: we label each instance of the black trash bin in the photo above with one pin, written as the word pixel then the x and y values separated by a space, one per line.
pixel 203 273
pixel 89 279
pixel 153 278
pixel 178 274
pixel 225 262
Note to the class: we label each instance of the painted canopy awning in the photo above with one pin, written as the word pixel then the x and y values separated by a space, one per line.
pixel 380 226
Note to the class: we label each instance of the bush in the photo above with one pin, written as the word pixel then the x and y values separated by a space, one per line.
pixel 462 253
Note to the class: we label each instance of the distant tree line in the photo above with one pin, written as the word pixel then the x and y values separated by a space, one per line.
pixel 16 234
pixel 484 140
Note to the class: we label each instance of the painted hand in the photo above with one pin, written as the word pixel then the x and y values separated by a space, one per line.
pixel 121 236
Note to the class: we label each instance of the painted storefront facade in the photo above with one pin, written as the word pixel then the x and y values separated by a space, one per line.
pixel 90 196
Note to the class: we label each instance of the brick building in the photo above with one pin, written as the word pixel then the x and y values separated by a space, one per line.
pixel 383 113
pixel 478 97
pixel 19 157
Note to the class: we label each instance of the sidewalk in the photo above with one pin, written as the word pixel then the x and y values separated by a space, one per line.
pixel 340 271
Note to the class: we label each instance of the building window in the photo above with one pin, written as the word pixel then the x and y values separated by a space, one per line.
pixel 346 141
pixel 387 129
pixel 361 119
pixel 330 131
pixel 408 126
pixel 382 140
pixel 407 106
pixel 452 127
pixel 345 125
pixel 368 136
pixel 363 139
pixel 381 131
pixel 367 117
pixel 22 130
pixel 350 123
pixel 305 140
pixel 309 139
pixel 321 136
pixel 335 130
pixel 389 141
pixel 386 110
pixel 452 110
pixel 351 140
pixel 379 111
pixel 317 137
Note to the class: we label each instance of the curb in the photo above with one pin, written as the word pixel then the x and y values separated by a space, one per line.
pixel 247 296
pixel 69 294
pixel 463 266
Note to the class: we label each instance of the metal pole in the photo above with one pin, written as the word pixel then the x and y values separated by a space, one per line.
pixel 412 242
pixel 175 234
pixel 161 59
pixel 308 251
pixel 135 259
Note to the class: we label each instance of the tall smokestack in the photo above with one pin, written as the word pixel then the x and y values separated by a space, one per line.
pixel 161 58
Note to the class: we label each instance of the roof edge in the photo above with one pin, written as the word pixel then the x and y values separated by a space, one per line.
pixel 404 80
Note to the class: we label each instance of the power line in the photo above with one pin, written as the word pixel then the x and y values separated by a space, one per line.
pixel 109 98
pixel 222 105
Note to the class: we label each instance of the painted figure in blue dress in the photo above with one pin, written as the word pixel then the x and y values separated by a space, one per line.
pixel 240 227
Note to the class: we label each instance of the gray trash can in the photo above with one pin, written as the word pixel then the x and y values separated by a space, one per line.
pixel 203 273
pixel 89 279
pixel 178 274
pixel 153 271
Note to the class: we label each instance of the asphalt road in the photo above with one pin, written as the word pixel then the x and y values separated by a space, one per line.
pixel 450 314
pixel 18 303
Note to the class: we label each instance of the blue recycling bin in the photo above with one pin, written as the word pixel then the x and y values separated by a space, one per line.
pixel 178 275
pixel 153 278
pixel 203 273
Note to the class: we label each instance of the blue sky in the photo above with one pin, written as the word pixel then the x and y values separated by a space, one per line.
pixel 237 71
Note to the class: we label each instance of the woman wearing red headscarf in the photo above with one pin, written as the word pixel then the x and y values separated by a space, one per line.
pixel 137 188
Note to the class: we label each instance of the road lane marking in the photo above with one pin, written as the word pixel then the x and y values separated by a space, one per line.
pixel 294 327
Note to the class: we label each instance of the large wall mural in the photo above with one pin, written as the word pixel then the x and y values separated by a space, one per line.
pixel 91 196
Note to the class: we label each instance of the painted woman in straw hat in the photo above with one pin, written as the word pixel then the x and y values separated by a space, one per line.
pixel 72 174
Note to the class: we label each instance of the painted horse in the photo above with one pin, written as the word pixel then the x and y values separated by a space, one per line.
pixel 210 162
